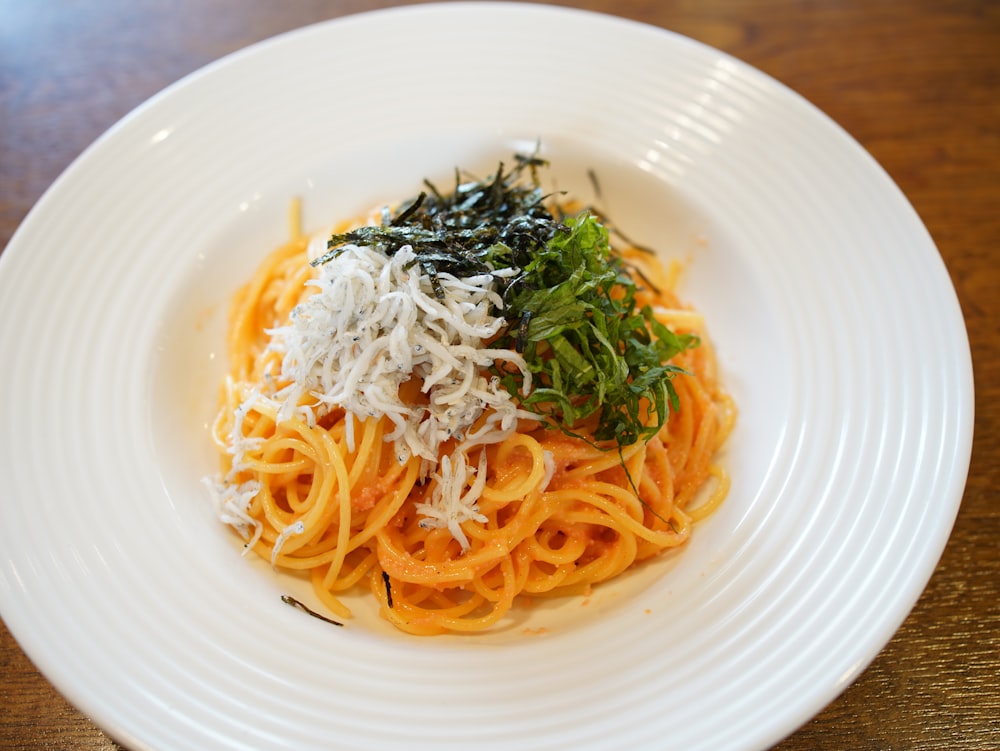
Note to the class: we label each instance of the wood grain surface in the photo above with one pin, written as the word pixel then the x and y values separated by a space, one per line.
pixel 916 83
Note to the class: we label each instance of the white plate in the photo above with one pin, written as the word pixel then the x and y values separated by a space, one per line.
pixel 838 330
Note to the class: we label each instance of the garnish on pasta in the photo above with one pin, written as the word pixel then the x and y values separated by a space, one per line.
pixel 474 397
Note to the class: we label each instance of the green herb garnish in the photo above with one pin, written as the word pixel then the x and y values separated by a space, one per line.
pixel 569 303
pixel 592 351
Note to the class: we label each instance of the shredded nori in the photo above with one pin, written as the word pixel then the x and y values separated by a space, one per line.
pixel 289 600
pixel 388 589
pixel 498 222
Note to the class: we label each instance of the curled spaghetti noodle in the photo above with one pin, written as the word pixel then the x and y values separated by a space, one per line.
pixel 328 496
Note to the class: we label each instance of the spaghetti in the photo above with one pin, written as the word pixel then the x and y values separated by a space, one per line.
pixel 446 523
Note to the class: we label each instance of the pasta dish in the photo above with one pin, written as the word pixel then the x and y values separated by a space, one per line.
pixel 482 394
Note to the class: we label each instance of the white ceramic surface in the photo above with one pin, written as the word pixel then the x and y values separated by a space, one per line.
pixel 821 287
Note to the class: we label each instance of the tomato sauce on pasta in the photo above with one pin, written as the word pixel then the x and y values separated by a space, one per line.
pixel 555 515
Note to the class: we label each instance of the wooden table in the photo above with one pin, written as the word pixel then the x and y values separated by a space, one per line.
pixel 917 83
